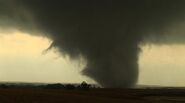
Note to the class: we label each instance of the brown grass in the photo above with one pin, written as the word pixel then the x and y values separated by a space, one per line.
pixel 90 96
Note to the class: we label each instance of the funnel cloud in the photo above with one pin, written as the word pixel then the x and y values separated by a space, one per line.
pixel 106 33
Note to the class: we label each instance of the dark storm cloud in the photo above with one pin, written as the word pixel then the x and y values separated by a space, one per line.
pixel 14 16
pixel 107 33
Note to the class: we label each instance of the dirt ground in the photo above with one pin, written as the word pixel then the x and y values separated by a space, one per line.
pixel 92 96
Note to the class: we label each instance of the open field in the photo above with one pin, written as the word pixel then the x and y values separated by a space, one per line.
pixel 168 95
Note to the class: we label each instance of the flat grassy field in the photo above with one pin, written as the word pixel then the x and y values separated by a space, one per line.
pixel 92 96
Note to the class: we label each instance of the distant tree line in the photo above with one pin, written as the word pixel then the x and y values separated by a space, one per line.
pixel 82 86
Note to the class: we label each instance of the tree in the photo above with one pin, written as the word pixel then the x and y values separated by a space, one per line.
pixel 84 86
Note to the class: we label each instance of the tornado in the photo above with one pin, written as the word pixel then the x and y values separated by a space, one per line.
pixel 106 33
